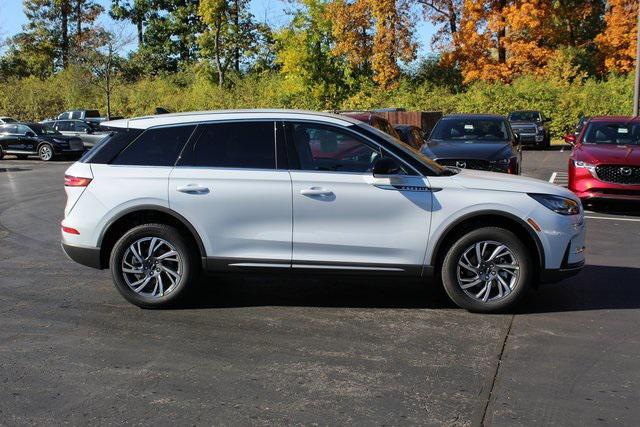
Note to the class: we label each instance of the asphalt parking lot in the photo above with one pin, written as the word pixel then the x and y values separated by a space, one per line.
pixel 265 350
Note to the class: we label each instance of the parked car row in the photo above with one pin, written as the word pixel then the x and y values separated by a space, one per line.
pixel 69 135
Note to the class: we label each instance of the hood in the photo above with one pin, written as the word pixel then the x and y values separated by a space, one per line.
pixel 608 153
pixel 482 180
pixel 467 150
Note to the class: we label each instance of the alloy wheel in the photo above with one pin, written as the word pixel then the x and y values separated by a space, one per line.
pixel 46 153
pixel 487 271
pixel 152 267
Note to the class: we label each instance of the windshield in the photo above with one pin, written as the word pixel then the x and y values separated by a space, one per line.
pixel 613 133
pixel 42 129
pixel 524 116
pixel 416 154
pixel 471 129
pixel 92 114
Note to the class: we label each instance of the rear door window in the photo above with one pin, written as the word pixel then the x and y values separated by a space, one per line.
pixel 64 126
pixel 248 145
pixel 155 147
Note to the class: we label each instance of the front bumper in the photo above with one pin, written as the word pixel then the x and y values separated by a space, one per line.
pixel 531 138
pixel 89 257
pixel 587 187
pixel 566 270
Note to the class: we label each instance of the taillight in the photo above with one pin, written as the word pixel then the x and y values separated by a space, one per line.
pixel 76 181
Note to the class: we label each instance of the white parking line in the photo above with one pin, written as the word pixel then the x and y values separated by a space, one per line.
pixel 562 150
pixel 611 218
pixel 553 177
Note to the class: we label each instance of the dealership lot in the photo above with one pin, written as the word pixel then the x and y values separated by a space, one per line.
pixel 272 350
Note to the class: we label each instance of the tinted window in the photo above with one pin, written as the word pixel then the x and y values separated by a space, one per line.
pixel 64 125
pixel 525 116
pixel 43 129
pixel 92 113
pixel 108 147
pixel 9 120
pixel 234 145
pixel 155 147
pixel 80 127
pixel 470 129
pixel 76 115
pixel 613 133
pixel 9 129
pixel 323 148
pixel 22 129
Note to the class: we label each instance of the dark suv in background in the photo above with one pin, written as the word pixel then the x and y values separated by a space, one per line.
pixel 531 126
pixel 475 141
pixel 28 139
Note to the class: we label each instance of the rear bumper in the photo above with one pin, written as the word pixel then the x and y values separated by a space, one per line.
pixel 89 257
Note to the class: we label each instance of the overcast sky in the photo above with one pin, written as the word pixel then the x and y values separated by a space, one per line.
pixel 273 12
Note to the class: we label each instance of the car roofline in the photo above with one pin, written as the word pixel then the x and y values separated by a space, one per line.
pixel 145 122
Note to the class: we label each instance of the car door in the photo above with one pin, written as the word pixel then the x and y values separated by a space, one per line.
pixel 230 186
pixel 346 218
pixel 9 137
pixel 27 140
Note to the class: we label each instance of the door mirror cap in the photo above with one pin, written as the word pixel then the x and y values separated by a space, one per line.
pixel 29 134
pixel 386 166
pixel 570 139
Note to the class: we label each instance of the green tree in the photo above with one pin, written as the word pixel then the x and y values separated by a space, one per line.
pixel 135 11
pixel 304 55
pixel 231 37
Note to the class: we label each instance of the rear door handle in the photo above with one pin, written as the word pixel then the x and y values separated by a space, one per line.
pixel 193 189
pixel 316 191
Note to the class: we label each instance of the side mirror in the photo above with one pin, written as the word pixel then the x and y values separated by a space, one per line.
pixel 29 134
pixel 386 166
pixel 570 139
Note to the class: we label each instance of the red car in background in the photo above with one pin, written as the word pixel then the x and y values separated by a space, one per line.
pixel 605 160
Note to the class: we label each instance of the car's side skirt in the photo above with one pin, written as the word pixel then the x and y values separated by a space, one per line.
pixel 220 264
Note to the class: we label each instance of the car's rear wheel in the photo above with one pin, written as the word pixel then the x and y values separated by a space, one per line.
pixel 45 152
pixel 487 270
pixel 152 265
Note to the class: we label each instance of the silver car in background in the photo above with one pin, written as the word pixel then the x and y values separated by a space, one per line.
pixel 89 133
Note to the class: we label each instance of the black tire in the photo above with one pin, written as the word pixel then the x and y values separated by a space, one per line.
pixel 188 267
pixel 521 282
pixel 45 152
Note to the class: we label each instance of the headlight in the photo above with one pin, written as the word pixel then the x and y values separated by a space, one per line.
pixel 502 161
pixel 584 165
pixel 558 204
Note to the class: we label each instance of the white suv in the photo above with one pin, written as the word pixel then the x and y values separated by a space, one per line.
pixel 166 197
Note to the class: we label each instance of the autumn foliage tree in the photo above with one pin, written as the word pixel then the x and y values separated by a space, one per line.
pixel 373 36
pixel 617 41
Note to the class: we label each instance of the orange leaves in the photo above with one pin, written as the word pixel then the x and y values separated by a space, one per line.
pixel 617 41
pixel 373 35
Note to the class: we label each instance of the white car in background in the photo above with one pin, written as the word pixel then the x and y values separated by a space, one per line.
pixel 6 120
pixel 169 196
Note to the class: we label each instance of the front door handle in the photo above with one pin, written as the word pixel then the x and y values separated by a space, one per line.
pixel 193 189
pixel 316 191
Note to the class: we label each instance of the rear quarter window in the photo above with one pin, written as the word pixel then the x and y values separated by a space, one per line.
pixel 155 147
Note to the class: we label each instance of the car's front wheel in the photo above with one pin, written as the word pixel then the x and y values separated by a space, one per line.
pixel 45 152
pixel 152 265
pixel 487 270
